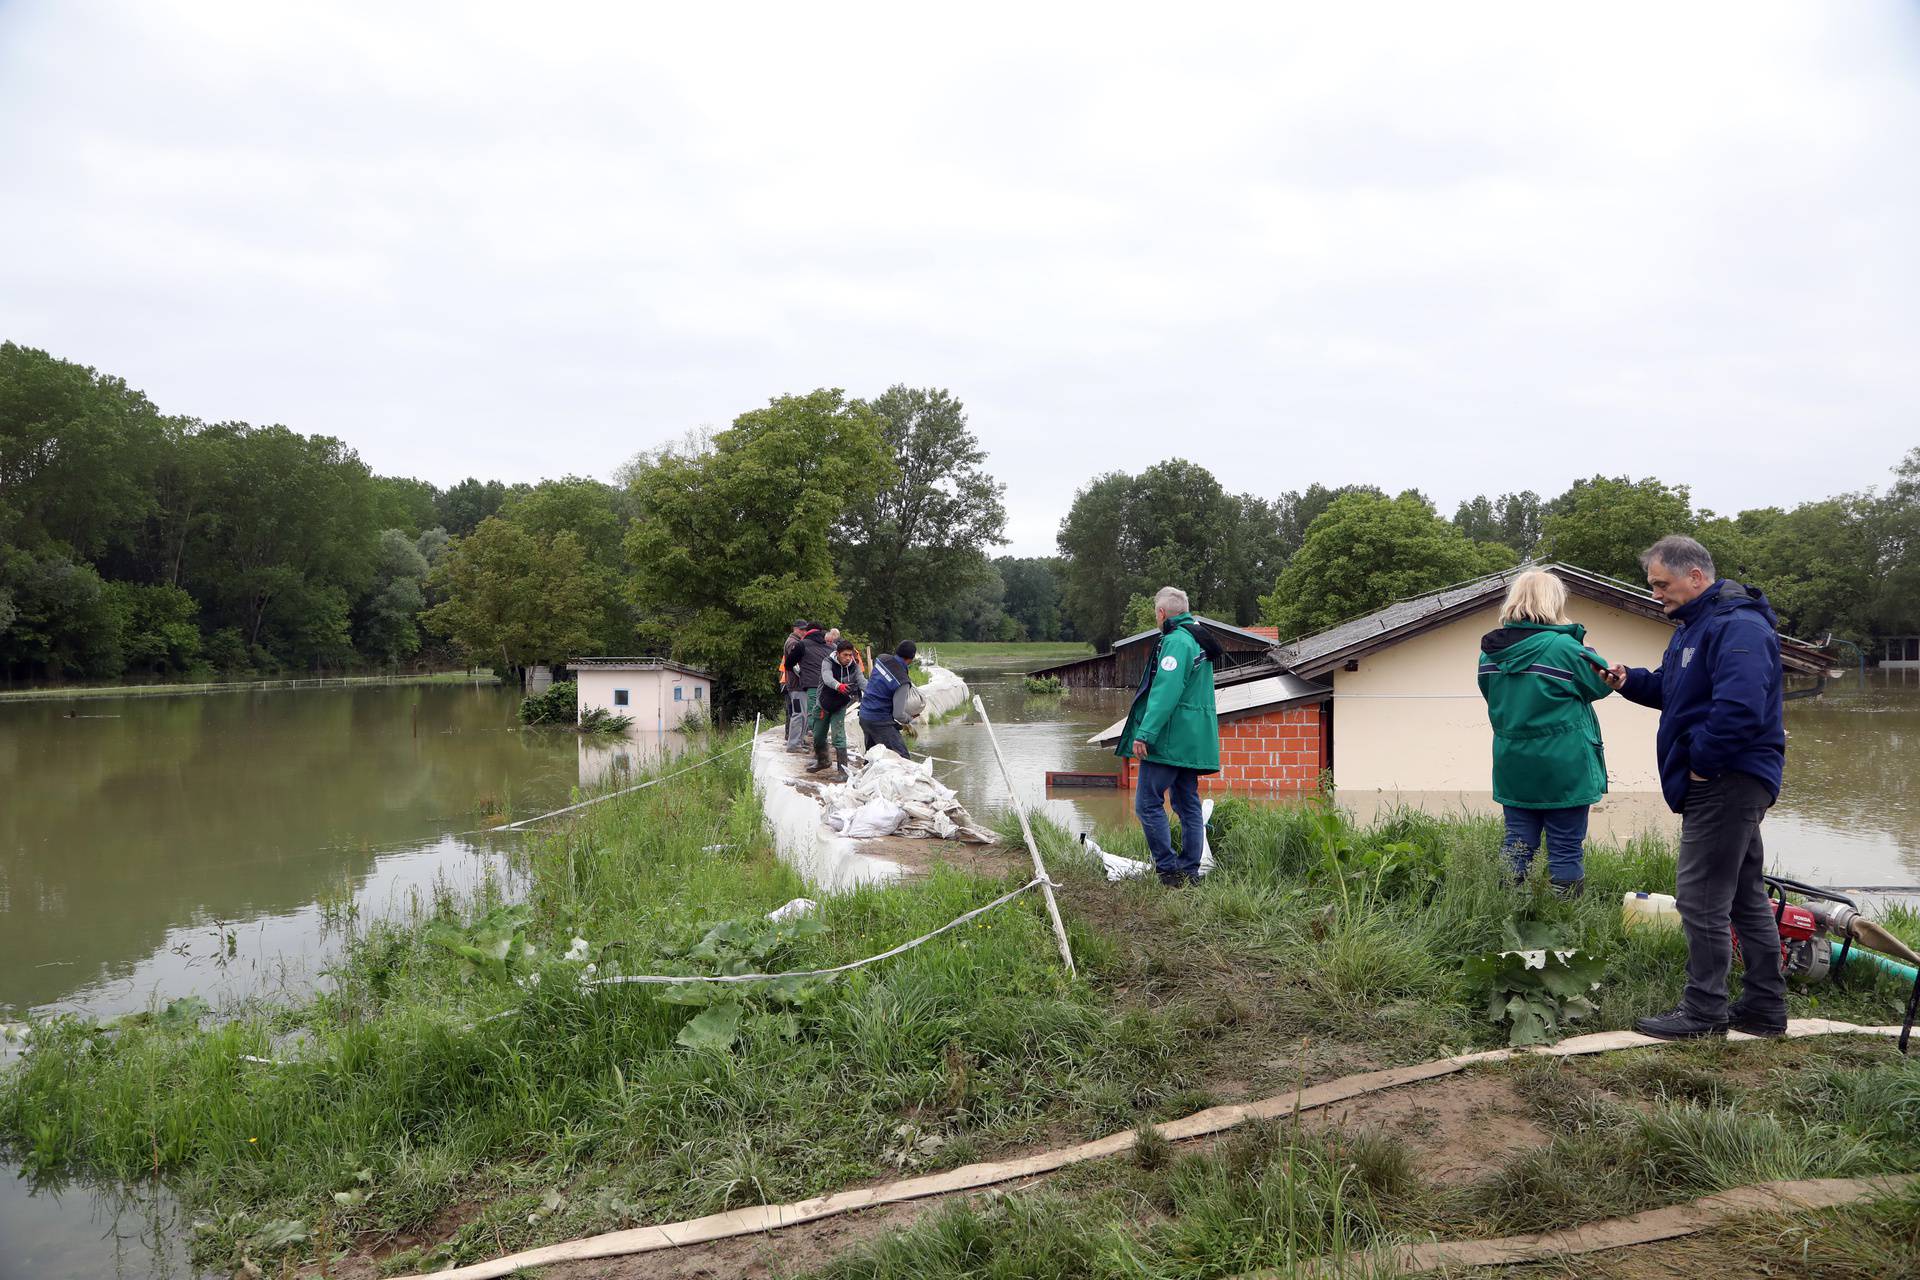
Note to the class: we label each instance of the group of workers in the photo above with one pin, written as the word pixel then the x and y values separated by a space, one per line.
pixel 1721 745
pixel 822 675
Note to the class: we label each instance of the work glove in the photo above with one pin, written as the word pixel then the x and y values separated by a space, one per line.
pixel 841 687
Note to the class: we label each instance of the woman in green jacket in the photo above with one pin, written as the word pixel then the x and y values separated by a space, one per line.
pixel 1540 681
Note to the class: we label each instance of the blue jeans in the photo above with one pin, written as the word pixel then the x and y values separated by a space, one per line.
pixel 1566 832
pixel 1149 805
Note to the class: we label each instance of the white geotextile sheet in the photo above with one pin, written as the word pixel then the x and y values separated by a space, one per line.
pixel 1119 868
pixel 943 691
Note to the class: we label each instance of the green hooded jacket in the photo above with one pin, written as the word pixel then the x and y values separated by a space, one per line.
pixel 1174 712
pixel 1540 682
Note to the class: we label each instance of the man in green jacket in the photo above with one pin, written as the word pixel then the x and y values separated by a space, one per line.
pixel 1173 729
pixel 1540 681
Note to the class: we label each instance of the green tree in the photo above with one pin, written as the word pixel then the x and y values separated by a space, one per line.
pixel 1297 510
pixel 1256 553
pixel 977 613
pixel 1894 600
pixel 77 451
pixel 1101 573
pixel 518 597
pixel 1366 551
pixel 387 630
pixel 1603 524
pixel 401 502
pixel 65 622
pixel 159 627
pixel 460 509
pixel 292 544
pixel 1519 516
pixel 1031 594
pixel 731 541
pixel 1475 520
pixel 1185 523
pixel 923 534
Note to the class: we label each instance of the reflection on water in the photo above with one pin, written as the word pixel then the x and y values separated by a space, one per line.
pixel 161 846
pixel 83 1233
pixel 1849 814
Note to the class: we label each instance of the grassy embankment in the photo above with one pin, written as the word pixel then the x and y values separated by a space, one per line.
pixel 400 1128
pixel 49 693
pixel 1019 656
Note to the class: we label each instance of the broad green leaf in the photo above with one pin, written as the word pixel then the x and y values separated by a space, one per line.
pixel 714 1029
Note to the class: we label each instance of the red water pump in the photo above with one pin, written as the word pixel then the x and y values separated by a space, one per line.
pixel 1805 949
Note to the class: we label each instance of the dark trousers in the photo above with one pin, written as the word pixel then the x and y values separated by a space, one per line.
pixel 879 733
pixel 1566 833
pixel 1721 859
pixel 1150 806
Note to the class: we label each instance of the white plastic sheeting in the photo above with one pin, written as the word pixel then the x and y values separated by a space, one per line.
pixel 802 840
pixel 1119 868
pixel 944 692
pixel 887 784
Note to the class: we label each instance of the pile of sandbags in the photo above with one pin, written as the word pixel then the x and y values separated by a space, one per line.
pixel 891 796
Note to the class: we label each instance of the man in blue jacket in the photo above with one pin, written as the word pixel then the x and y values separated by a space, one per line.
pixel 1722 747
pixel 891 673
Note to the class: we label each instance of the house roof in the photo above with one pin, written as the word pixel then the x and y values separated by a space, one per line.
pixel 1321 652
pixel 1245 698
pixel 635 664
pixel 1262 635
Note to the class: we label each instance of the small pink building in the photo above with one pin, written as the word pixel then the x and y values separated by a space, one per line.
pixel 656 692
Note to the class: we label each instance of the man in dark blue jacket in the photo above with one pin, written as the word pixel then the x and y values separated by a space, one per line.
pixel 890 675
pixel 1722 747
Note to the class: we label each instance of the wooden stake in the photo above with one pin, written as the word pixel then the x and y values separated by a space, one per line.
pixel 1039 867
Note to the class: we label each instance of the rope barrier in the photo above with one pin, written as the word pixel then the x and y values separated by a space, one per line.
pixel 955 923
pixel 614 795
pixel 675 979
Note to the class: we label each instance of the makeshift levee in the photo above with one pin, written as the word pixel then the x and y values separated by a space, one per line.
pixel 797 822
pixel 944 692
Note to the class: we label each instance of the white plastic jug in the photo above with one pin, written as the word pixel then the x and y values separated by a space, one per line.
pixel 1655 910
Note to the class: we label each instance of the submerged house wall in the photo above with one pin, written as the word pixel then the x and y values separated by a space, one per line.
pixel 1412 719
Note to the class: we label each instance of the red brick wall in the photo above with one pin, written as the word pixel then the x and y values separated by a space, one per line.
pixel 1278 751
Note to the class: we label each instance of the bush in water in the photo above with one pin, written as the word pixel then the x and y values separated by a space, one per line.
pixel 554 705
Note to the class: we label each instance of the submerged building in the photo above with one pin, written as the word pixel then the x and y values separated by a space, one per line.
pixel 1391 701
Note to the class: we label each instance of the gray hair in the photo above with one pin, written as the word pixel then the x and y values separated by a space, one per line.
pixel 1171 599
pixel 1680 553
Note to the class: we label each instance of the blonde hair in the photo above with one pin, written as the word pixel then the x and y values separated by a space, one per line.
pixel 1536 596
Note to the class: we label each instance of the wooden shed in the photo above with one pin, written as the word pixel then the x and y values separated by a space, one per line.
pixel 1120 666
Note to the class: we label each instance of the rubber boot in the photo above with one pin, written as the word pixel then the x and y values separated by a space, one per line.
pixel 819 764
pixel 1570 889
pixel 840 764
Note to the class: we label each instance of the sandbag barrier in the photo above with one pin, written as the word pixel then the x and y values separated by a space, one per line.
pixel 757 1219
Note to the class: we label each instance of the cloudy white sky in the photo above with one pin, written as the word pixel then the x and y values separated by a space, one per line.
pixel 1468 247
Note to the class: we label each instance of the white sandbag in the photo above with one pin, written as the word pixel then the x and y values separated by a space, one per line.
pixel 877 817
pixel 794 909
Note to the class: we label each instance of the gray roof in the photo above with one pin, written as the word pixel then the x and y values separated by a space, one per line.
pixel 1318 653
pixel 637 664
pixel 1212 623
pixel 1241 699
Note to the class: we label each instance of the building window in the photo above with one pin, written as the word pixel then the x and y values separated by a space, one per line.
pixel 619 697
pixel 679 694
pixel 696 692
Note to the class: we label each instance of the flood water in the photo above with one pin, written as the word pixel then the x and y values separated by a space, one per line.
pixel 157 847
pixel 214 845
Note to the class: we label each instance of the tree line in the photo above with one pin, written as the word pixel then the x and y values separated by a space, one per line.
pixel 133 542
pixel 1846 566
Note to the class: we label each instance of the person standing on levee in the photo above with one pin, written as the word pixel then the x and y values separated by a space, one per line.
pixel 1173 729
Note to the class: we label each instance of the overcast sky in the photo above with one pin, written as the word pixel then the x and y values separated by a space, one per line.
pixel 1464 247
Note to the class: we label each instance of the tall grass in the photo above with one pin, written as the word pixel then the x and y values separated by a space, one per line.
pixel 1317 941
